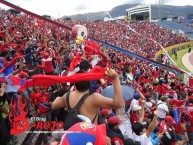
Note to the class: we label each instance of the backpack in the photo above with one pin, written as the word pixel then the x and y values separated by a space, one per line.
pixel 71 118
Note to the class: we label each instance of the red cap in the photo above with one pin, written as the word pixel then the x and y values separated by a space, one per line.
pixel 173 102
pixel 22 74
pixel 44 54
pixel 170 120
pixel 104 111
pixel 114 120
pixel 177 103
pixel 180 103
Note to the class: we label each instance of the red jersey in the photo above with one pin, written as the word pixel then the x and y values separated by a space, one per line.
pixel 182 89
pixel 163 126
pixel 3 34
pixel 179 128
pixel 134 117
pixel 49 68
pixel 43 103
pixel 190 115
pixel 34 96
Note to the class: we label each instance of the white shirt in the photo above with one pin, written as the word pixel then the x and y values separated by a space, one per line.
pixel 129 77
pixel 162 109
pixel 143 139
pixel 133 102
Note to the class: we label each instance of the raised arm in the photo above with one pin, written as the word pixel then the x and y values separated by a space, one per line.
pixel 152 124
pixel 117 101
pixel 186 139
pixel 142 112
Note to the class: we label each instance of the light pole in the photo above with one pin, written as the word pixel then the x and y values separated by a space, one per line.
pixel 161 3
pixel 109 15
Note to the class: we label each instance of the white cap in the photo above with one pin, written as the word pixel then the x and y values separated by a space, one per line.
pixel 136 107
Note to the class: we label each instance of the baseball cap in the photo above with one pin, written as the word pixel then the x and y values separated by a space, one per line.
pixel 85 133
pixel 136 95
pixel 22 74
pixel 170 120
pixel 172 102
pixel 114 120
pixel 104 111
pixel 180 103
pixel 177 103
pixel 136 107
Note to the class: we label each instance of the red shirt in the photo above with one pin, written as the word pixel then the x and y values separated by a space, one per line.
pixel 49 68
pixel 43 102
pixel 163 126
pixel 191 121
pixel 3 34
pixel 155 88
pixel 182 89
pixel 34 96
pixel 134 117
pixel 3 47
pixel 179 128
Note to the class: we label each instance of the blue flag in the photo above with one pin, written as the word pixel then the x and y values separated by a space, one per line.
pixel 176 116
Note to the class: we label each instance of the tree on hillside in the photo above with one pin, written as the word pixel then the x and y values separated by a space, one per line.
pixel 46 16
pixel 13 11
pixel 67 18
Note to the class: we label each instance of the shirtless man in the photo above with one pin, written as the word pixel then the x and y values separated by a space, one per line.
pixel 95 101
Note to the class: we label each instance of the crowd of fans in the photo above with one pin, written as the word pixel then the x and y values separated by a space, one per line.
pixel 48 49
pixel 187 22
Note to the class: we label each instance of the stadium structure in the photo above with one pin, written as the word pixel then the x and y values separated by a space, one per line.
pixel 139 13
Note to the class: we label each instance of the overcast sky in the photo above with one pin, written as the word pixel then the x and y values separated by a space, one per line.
pixel 59 8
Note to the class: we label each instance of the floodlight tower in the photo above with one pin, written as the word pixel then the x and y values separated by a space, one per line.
pixel 161 3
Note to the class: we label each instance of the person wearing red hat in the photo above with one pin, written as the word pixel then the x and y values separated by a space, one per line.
pixel 47 63
pixel 44 109
pixel 43 102
pixel 105 115
pixel 177 104
pixel 114 132
pixel 170 139
pixel 167 124
pixel 34 96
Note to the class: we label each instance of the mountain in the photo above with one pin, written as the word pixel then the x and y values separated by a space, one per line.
pixel 165 11
pixel 87 16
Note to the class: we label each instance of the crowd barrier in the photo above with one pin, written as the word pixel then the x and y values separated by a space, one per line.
pixel 171 49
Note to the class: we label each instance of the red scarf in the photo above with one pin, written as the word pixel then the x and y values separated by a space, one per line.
pixel 47 80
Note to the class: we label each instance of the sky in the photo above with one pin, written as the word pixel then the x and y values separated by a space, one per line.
pixel 59 8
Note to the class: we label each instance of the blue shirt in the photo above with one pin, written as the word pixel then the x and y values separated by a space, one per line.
pixel 154 139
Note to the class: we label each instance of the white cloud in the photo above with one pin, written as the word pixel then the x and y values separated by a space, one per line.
pixel 58 8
